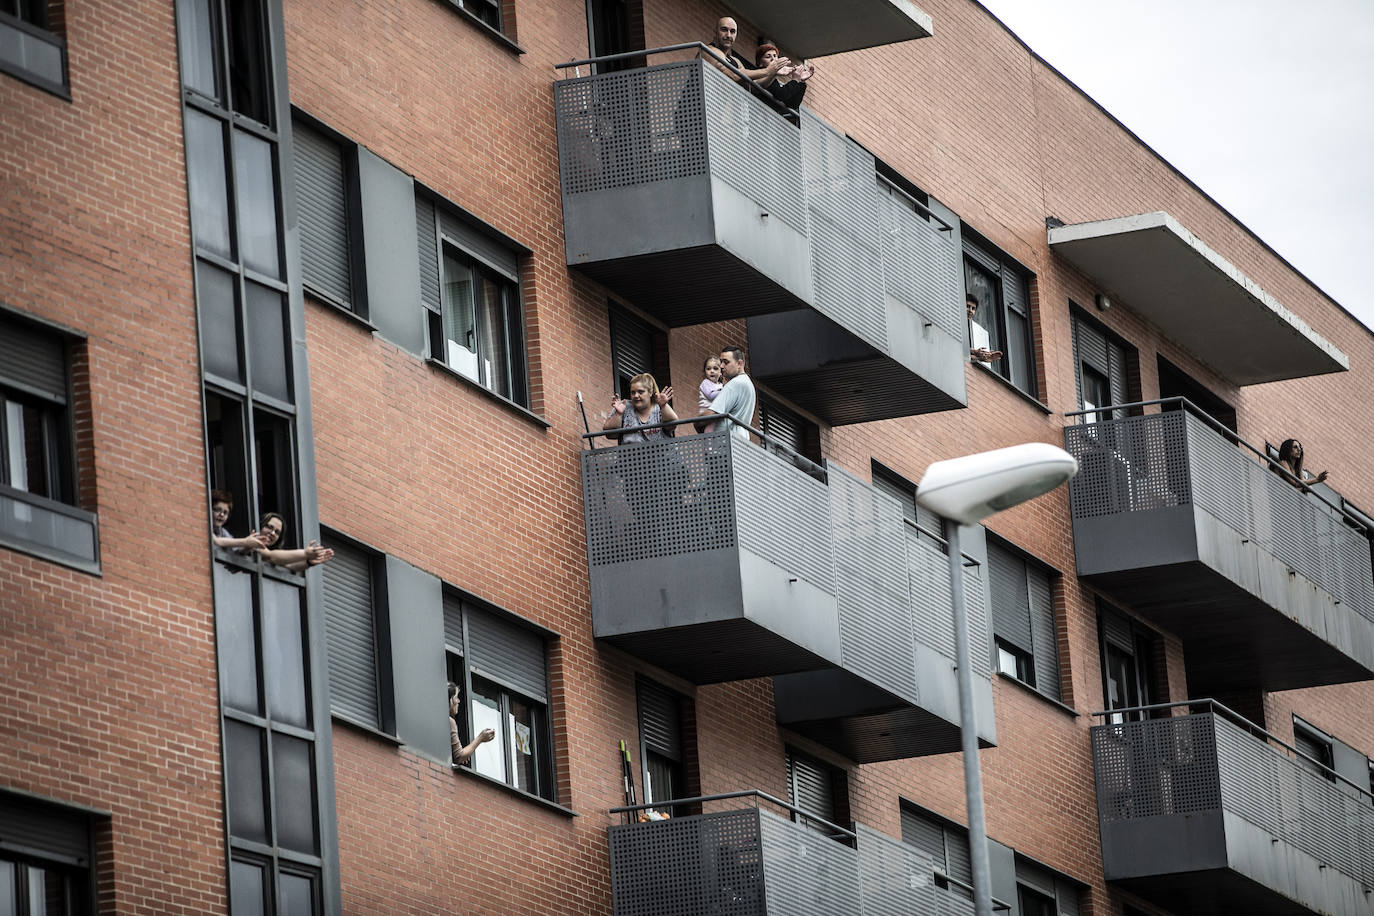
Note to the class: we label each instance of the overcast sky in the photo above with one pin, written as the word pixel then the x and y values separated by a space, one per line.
pixel 1268 106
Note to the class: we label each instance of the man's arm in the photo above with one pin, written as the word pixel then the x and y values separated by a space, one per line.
pixel 761 75
pixel 251 542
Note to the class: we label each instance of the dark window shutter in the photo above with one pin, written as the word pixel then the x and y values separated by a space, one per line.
pixel 349 626
pixel 32 361
pixel 1116 629
pixel 925 834
pixel 960 858
pixel 1102 352
pixel 1117 375
pixel 1066 895
pixel 480 246
pixel 783 425
pixel 812 785
pixel 1046 644
pixel 425 231
pixel 34 828
pixel 1010 610
pixel 507 653
pixel 453 623
pixel 632 349
pixel 660 720
pixel 323 203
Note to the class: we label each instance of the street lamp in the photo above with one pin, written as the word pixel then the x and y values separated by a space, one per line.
pixel 965 491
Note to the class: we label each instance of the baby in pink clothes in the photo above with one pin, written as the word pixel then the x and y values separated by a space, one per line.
pixel 711 385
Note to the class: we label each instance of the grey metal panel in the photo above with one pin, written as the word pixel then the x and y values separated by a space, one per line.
pixel 348 615
pixel 391 243
pixel 453 624
pixel 426 237
pixel 1003 872
pixel 895 878
pixel 660 719
pixel 418 666
pixel 922 264
pixel 842 209
pixel 491 252
pixel 783 514
pixel 1129 465
pixel 1010 594
pixel 33 361
pixel 323 206
pixel 805 873
pixel 507 653
pixel 872 585
pixel 32 827
pixel 686 866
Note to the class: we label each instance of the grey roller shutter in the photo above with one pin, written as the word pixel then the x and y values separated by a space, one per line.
pixel 782 425
pixel 960 858
pixel 660 720
pixel 323 203
pixel 982 256
pixel 480 246
pixel 32 361
pixel 1010 602
pixel 632 345
pixel 1116 629
pixel 453 623
pixel 426 236
pixel 925 834
pixel 1066 896
pixel 507 653
pixel 1105 354
pixel 33 828
pixel 812 786
pixel 349 626
pixel 1045 643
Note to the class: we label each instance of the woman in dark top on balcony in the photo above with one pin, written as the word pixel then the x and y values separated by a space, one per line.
pixel 789 86
pixel 647 406
pixel 1290 460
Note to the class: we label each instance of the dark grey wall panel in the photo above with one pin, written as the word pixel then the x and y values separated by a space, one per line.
pixel 806 874
pixel 389 238
pixel 419 670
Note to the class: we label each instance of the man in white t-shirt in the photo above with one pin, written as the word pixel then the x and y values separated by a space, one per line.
pixel 978 336
pixel 737 398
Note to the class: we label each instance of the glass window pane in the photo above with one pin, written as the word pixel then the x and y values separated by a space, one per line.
pixel 255 182
pixel 295 790
pixel 219 322
pixel 247 802
pixel 283 663
pixel 494 346
pixel 246 889
pixel 267 342
pixel 196 29
pixel 524 745
pixel 1019 352
pixel 460 320
pixel 9 889
pixel 296 895
pixel 237 639
pixel 276 486
pixel 209 187
pixel 490 757
pixel 249 68
pixel 983 286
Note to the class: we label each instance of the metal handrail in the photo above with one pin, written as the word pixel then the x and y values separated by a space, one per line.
pixel 753 87
pixel 1221 709
pixel 997 905
pixel 724 796
pixel 768 441
pixel 944 226
pixel 1235 438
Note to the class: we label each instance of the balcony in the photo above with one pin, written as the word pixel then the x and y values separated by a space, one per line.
pixel 1206 814
pixel 1269 586
pixel 813 28
pixel 750 861
pixel 719 560
pixel 698 202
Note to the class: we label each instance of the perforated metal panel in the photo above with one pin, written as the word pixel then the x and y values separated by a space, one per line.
pixel 1156 767
pixel 323 213
pixel 842 211
pixel 873 587
pixel 1127 465
pixel 806 874
pixel 895 878
pixel 658 499
pixel 632 127
pixel 686 866
pixel 922 265
pixel 783 514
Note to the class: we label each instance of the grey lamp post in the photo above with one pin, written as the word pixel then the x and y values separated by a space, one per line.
pixel 965 491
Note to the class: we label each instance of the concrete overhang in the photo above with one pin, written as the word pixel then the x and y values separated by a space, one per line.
pixel 815 28
pixel 1169 276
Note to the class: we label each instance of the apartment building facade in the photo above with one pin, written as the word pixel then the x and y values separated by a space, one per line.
pixel 377 267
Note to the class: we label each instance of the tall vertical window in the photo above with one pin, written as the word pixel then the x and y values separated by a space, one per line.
pixel 1316 748
pixel 1042 892
pixel 327 191
pixel 31 46
pixel 1003 309
pixel 818 789
pixel 1101 363
pixel 47 856
pixel 636 347
pixel 944 842
pixel 1023 618
pixel 356 692
pixel 784 426
pixel 1132 668
pixel 663 742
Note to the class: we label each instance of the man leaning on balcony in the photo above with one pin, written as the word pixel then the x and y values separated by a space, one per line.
pixel 736 400
pixel 722 47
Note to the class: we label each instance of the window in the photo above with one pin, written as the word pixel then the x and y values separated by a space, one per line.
pixel 636 347
pixel 899 488
pixel 1034 903
pixel 470 284
pixel 1003 309
pixel 664 743
pixel 47 851
pixel 1023 618
pixel 817 789
pixel 498 662
pixel 31 44
pixel 1043 892
pixel 1316 747
pixel 947 844
pixel 1174 382
pixel 1102 365
pixel 1132 672
pixel 329 203
pixel 355 689
pixel 786 427
pixel 251 454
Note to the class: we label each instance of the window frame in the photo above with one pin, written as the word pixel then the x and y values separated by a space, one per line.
pixel 839 792
pixel 80 872
pixel 676 766
pixel 1146 665
pixel 23 30
pixel 1021 657
pixel 981 255
pixel 355 255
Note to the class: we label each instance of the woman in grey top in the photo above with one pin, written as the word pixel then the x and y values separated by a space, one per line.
pixel 647 406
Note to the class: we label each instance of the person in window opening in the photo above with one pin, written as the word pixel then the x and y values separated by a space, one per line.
pixel 789 85
pixel 722 47
pixel 736 400
pixel 271 530
pixel 647 407
pixel 978 336
pixel 462 753
pixel 221 505
pixel 1290 460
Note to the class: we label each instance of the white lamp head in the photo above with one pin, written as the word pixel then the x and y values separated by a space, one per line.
pixel 973 487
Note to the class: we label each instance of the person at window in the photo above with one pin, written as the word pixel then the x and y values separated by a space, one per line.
pixel 722 47
pixel 1290 460
pixel 789 85
pixel 647 407
pixel 978 336
pixel 271 530
pixel 710 385
pixel 462 753
pixel 221 505
pixel 736 400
